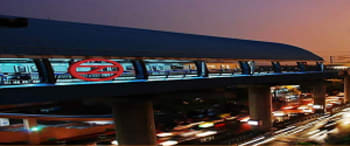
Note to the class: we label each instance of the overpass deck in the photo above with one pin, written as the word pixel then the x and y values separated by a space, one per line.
pixel 14 94
pixel 160 79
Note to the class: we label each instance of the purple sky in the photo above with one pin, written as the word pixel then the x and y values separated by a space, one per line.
pixel 321 26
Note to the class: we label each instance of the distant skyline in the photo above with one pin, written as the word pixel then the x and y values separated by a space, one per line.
pixel 320 26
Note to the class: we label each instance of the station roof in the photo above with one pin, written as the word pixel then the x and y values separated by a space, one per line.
pixel 38 37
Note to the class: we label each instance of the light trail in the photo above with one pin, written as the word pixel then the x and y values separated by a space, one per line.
pixel 294 129
pixel 318 134
pixel 251 141
pixel 331 124
pixel 285 129
pixel 265 141
pixel 313 132
pixel 284 132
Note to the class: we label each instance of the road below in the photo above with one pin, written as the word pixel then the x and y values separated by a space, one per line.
pixel 310 131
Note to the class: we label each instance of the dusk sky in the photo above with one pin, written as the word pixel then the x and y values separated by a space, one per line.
pixel 321 26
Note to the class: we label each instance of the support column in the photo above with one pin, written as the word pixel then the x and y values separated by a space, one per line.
pixel 140 69
pixel 319 96
pixel 347 89
pixel 34 136
pixel 134 123
pixel 202 68
pixel 260 106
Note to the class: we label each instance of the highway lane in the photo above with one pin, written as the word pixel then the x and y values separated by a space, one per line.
pixel 314 131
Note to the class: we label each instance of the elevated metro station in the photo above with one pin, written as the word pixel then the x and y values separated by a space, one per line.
pixel 45 60
pixel 39 51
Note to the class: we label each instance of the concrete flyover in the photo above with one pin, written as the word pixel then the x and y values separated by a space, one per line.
pixel 42 93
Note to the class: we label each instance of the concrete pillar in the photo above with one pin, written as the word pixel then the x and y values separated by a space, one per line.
pixel 319 95
pixel 134 123
pixel 347 89
pixel 202 68
pixel 260 106
pixel 34 136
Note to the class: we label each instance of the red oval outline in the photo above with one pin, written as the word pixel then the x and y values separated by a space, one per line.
pixel 73 70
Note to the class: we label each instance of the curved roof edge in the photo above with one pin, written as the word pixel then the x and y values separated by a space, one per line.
pixel 40 37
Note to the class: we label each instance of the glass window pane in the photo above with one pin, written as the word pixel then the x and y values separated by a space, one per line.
pixel 223 68
pixel 311 66
pixel 289 66
pixel 14 71
pixel 263 67
pixel 60 67
pixel 170 68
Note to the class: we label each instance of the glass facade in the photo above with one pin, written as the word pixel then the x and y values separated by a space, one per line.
pixel 170 69
pixel 14 71
pixel 223 68
pixel 61 66
pixel 289 66
pixel 263 67
pixel 311 66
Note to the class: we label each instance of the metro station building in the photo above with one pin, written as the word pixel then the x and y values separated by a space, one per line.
pixel 36 55
pixel 32 46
